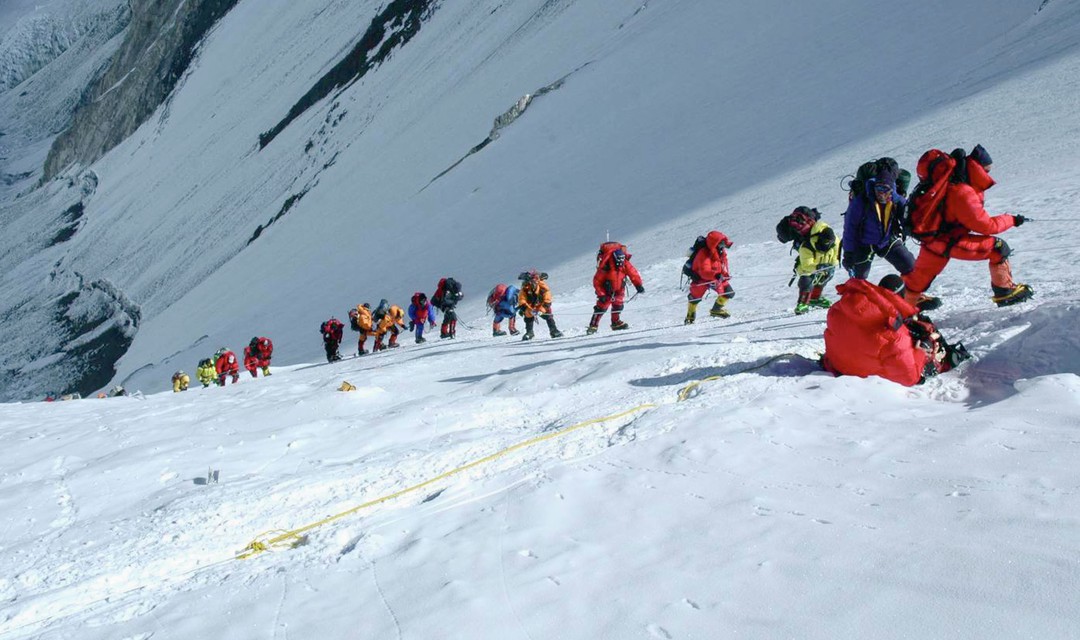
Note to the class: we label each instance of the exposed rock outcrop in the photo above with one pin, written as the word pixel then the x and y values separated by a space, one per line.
pixel 159 47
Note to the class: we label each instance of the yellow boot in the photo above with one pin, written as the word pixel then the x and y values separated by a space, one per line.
pixel 691 312
pixel 718 310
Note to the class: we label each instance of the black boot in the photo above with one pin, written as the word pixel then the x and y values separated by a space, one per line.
pixel 552 329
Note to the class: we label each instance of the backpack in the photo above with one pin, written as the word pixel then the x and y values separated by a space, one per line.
pixel 796 225
pixel 925 213
pixel 867 170
pixel 606 250
pixel 446 286
pixel 419 300
pixel 688 266
pixel 354 317
pixel 496 295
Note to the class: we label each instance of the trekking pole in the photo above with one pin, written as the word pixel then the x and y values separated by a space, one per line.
pixel 1027 219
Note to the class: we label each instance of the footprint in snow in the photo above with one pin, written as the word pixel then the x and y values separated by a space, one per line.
pixel 657 631
pixel 527 553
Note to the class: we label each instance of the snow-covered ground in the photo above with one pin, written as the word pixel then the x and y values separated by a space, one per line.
pixel 776 501
pixel 772 502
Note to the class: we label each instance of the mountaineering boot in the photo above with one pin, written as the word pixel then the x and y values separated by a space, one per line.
pixel 1007 292
pixel 691 312
pixel 955 354
pixel 1017 294
pixel 513 326
pixel 528 329
pixel 552 329
pixel 266 371
pixel 921 301
pixel 718 310
pixel 594 321
pixel 514 332
pixel 817 300
pixel 420 340
pixel 927 303
pixel 803 304
pixel 498 332
pixel 619 326
pixel 528 335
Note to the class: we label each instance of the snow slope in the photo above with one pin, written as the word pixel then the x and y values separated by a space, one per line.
pixel 666 114
pixel 775 501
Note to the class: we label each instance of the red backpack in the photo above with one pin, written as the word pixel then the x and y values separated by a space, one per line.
pixel 606 250
pixel 925 214
pixel 419 300
pixel 496 295
pixel 797 224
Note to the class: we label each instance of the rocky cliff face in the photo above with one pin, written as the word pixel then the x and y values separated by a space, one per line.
pixel 95 70
pixel 161 42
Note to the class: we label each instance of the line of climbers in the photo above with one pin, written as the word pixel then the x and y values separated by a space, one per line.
pixel 389 320
pixel 224 365
pixel 873 330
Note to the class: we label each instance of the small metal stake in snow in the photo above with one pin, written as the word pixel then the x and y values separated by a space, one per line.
pixel 212 475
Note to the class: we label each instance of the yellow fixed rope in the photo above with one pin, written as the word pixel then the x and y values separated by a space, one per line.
pixel 291 536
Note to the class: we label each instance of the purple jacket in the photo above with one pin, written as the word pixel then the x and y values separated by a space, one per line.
pixel 862 225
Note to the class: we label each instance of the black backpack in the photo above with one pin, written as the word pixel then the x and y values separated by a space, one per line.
pixel 688 266
pixel 867 170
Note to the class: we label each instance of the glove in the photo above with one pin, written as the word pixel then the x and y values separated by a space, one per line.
pixel 1019 220
pixel 521 310
pixel 412 325
pixel 608 287
pixel 640 288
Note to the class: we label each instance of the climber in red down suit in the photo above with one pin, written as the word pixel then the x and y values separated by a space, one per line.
pixel 613 268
